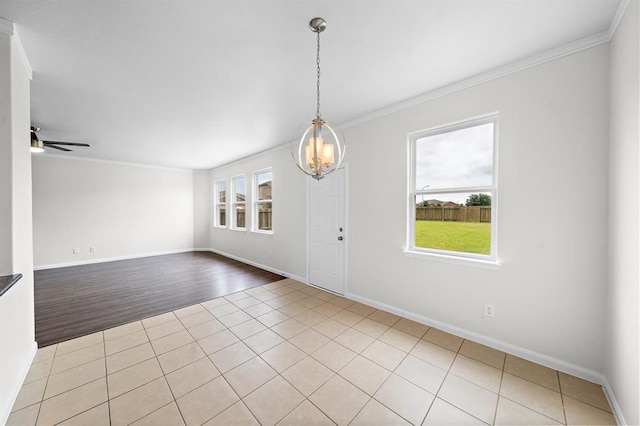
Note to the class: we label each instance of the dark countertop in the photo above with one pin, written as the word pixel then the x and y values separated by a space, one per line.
pixel 7 281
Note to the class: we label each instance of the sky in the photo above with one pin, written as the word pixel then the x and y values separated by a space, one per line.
pixel 239 186
pixel 457 159
pixel 264 177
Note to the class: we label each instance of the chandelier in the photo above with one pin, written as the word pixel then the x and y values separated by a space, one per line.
pixel 316 147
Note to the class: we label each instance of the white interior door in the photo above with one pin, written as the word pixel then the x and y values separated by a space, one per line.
pixel 326 232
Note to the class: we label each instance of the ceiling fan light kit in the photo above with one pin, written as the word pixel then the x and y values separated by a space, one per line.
pixel 324 149
pixel 38 146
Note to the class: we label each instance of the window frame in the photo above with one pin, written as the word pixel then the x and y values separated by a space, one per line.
pixel 413 194
pixel 257 202
pixel 235 204
pixel 217 204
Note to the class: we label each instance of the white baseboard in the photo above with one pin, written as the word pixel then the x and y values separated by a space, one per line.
pixel 112 259
pixel 259 265
pixel 554 363
pixel 536 357
pixel 5 411
pixel 613 403
pixel 547 361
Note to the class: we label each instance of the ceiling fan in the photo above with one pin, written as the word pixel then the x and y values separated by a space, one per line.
pixel 38 146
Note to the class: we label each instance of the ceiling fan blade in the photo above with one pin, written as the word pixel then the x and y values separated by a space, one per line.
pixel 57 147
pixel 65 143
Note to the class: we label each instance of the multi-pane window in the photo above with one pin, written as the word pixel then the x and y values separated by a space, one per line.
pixel 453 189
pixel 238 202
pixel 263 203
pixel 220 202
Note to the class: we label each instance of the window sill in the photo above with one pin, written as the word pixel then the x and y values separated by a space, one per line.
pixel 239 229
pixel 456 260
pixel 257 231
pixel 219 227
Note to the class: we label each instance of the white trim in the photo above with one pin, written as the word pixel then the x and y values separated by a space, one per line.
pixel 111 259
pixel 120 163
pixel 9 28
pixel 259 231
pixel 255 201
pixel 475 80
pixel 490 260
pixel 307 201
pixel 217 203
pixel 613 27
pixel 232 219
pixel 22 53
pixel 545 360
pixel 453 259
pixel 271 150
pixel 613 403
pixel 5 411
pixel 6 27
pixel 345 206
pixel 260 265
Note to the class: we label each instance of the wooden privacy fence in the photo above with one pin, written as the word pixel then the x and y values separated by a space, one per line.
pixel 264 219
pixel 455 214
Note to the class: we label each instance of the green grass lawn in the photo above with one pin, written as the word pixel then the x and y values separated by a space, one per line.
pixel 466 237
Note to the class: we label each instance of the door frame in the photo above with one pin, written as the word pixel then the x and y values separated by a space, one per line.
pixel 345 253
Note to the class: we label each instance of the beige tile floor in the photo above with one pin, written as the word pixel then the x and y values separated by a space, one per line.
pixel 289 354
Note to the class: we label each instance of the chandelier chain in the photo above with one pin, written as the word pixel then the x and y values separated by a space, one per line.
pixel 318 73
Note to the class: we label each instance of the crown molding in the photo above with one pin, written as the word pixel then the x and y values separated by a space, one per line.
pixel 510 68
pixel 22 53
pixel 622 7
pixel 501 71
pixel 271 150
pixel 9 28
pixel 112 162
pixel 6 27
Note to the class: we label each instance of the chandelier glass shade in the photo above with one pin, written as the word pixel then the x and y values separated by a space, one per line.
pixel 316 146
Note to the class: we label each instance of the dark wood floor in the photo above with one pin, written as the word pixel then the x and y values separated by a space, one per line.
pixel 79 300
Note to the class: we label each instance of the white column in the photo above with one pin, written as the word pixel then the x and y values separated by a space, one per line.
pixel 17 345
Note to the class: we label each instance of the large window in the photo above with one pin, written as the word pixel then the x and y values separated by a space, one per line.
pixel 453 190
pixel 220 202
pixel 238 202
pixel 263 203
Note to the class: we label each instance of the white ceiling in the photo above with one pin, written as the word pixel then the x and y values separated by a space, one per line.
pixel 196 84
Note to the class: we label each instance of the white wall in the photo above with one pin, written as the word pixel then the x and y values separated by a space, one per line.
pixel 122 210
pixel 17 345
pixel 622 335
pixel 202 199
pixel 285 250
pixel 6 263
pixel 549 291
pixel 552 214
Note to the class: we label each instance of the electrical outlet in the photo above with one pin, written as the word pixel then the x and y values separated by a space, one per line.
pixel 489 311
pixel 92 249
pixel 76 251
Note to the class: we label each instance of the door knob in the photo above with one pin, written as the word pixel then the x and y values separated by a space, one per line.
pixel 339 238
